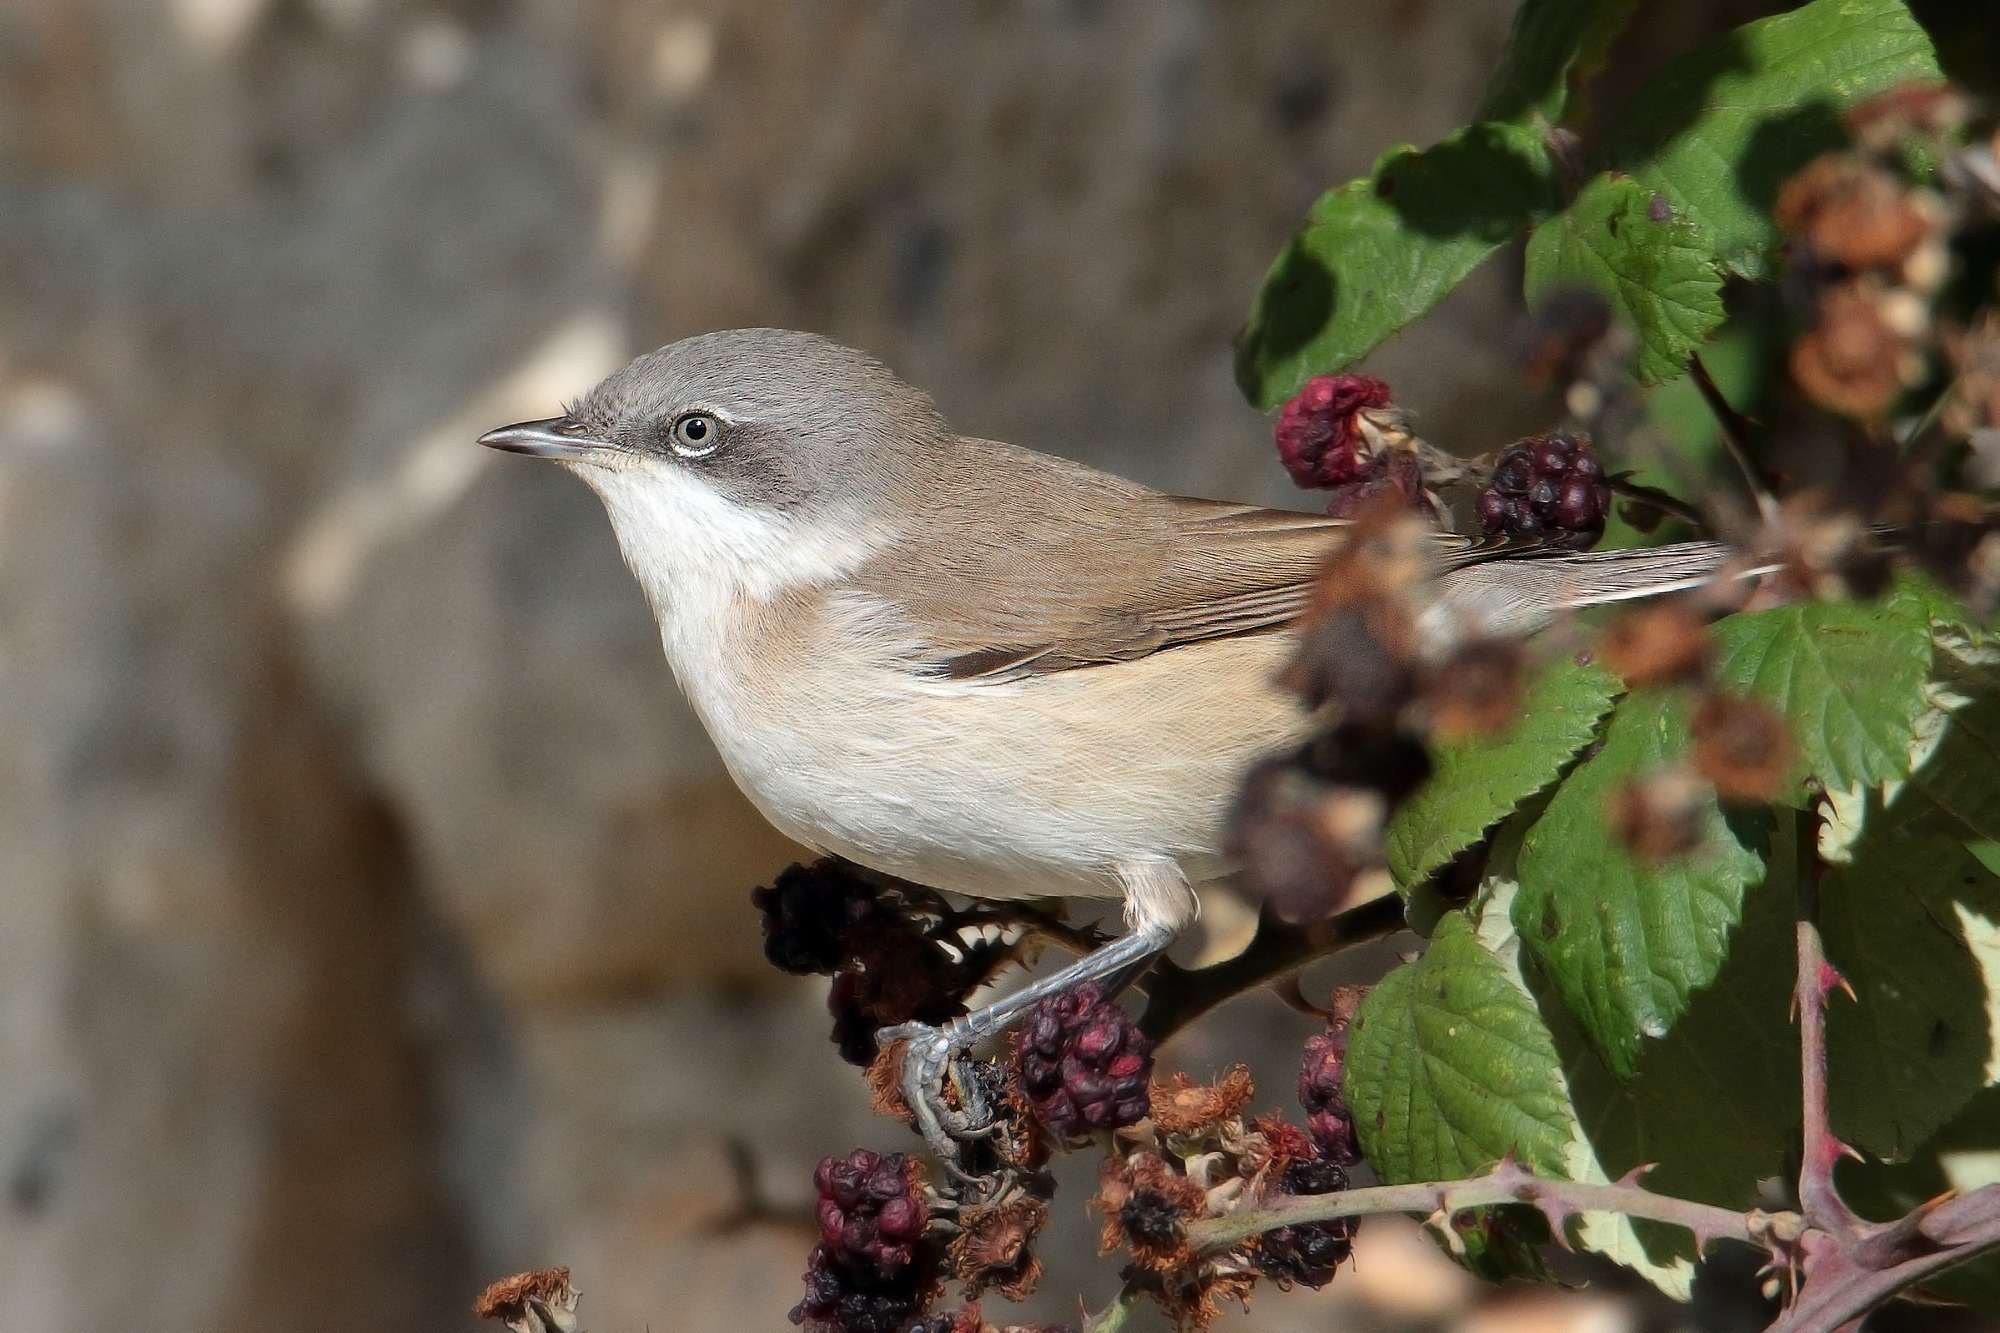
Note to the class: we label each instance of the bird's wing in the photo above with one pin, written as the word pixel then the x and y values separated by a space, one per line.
pixel 1125 572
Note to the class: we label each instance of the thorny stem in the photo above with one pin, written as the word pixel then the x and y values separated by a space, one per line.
pixel 1651 496
pixel 1841 1290
pixel 1114 1315
pixel 1506 1183
pixel 1818 1199
pixel 1176 996
pixel 1731 425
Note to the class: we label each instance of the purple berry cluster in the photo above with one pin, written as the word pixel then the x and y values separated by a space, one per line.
pixel 1327 1117
pixel 1549 484
pixel 873 1270
pixel 1308 1253
pixel 1083 1064
pixel 808 911
pixel 824 920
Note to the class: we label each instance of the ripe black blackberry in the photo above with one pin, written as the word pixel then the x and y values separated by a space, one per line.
pixel 844 1298
pixel 1308 1253
pixel 1083 1064
pixel 808 911
pixel 1327 1117
pixel 1549 484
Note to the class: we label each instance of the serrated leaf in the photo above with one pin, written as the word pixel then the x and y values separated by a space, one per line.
pixel 1475 784
pixel 1717 131
pixel 1374 254
pixel 1714 1103
pixel 1624 942
pixel 1552 42
pixel 1908 922
pixel 1449 1068
pixel 1957 760
pixel 1963 1156
pixel 1653 267
pixel 1847 677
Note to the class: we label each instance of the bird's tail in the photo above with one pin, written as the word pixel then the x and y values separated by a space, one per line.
pixel 1507 597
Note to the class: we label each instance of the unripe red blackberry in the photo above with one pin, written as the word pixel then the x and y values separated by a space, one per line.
pixel 1307 1253
pixel 1317 439
pixel 870 1209
pixel 1551 484
pixel 1327 1117
pixel 1083 1064
pixel 807 912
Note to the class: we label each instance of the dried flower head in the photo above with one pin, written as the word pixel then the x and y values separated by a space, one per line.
pixel 1304 842
pixel 1182 1106
pixel 1659 816
pixel 1146 1207
pixel 1476 689
pixel 541 1301
pixel 1741 746
pixel 1656 643
pixel 995 1248
pixel 1854 360
pixel 1853 213
pixel 1357 641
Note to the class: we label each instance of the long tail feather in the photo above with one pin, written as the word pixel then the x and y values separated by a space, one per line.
pixel 1507 597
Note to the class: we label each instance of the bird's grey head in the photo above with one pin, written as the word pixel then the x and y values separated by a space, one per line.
pixel 750 460
pixel 768 419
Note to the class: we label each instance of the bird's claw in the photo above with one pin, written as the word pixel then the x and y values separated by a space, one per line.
pixel 930 1055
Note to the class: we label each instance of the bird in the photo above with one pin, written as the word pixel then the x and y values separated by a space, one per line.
pixel 968 664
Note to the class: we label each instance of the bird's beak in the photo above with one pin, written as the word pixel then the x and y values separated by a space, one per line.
pixel 555 437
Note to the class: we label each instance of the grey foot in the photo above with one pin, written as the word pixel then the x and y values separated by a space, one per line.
pixel 930 1056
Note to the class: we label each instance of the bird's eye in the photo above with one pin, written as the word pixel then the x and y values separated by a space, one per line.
pixel 695 435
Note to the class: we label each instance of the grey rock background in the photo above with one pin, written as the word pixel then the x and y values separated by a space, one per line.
pixel 373 914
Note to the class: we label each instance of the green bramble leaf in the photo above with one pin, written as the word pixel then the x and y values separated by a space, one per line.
pixel 1375 253
pixel 1714 1105
pixel 1449 1068
pixel 1910 910
pixel 1653 268
pixel 1915 1045
pixel 1848 678
pixel 1553 45
pixel 1477 783
pixel 1718 131
pixel 1624 943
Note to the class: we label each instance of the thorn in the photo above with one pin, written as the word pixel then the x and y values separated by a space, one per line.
pixel 1631 1179
pixel 1846 1151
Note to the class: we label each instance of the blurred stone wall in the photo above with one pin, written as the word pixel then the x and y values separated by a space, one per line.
pixel 373 914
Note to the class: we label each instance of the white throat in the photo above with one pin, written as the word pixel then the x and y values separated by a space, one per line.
pixel 704 559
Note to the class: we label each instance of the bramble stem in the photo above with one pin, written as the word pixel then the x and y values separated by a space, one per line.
pixel 1176 996
pixel 1506 1183
pixel 1113 1316
pixel 1731 426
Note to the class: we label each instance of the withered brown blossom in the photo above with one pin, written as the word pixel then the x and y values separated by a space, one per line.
pixel 1182 1106
pixel 1658 817
pixel 539 1301
pixel 995 1248
pixel 1741 746
pixel 1657 643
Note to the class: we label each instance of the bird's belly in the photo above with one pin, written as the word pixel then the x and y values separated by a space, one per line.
pixel 1039 786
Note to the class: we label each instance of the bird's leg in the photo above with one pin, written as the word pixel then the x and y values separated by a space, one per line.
pixel 1159 905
